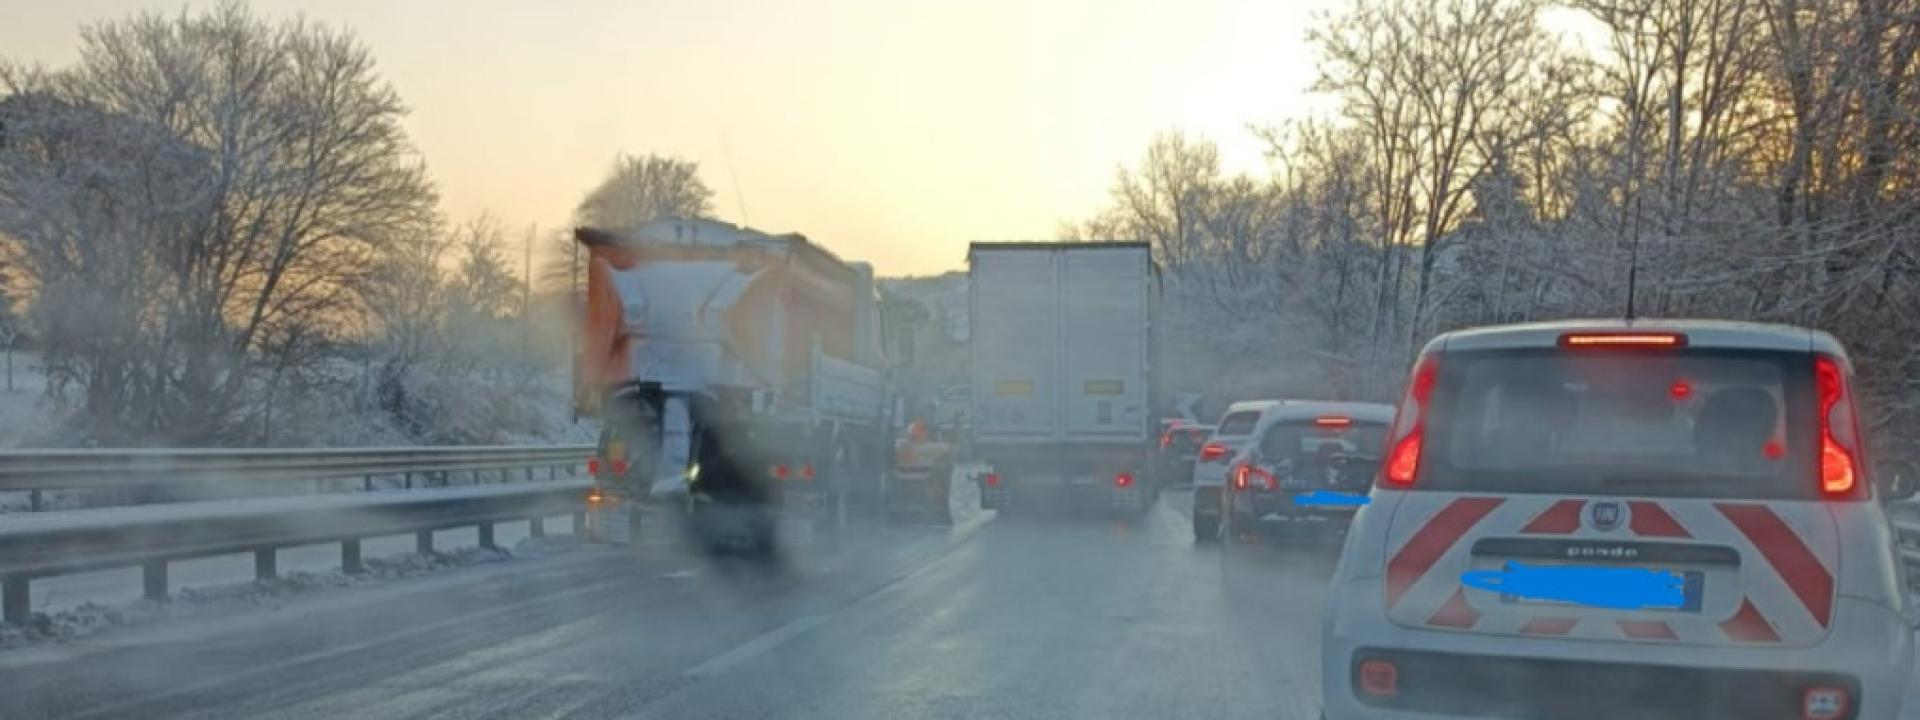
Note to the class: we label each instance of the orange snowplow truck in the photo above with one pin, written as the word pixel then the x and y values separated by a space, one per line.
pixel 738 377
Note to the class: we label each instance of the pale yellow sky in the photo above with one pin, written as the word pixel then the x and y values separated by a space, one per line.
pixel 891 131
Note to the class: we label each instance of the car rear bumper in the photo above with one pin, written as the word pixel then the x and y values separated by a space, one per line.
pixel 1509 687
pixel 1465 675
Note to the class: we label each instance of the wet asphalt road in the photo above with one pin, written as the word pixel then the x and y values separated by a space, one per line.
pixel 1026 616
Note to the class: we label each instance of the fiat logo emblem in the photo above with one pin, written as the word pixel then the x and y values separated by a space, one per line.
pixel 1605 515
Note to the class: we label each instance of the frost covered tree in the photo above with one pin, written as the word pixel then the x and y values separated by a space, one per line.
pixel 194 200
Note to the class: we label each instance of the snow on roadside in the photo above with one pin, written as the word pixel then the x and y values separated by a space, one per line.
pixel 91 618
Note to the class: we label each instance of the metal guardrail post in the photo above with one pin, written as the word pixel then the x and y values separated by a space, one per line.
pixel 486 535
pixel 14 594
pixel 153 580
pixel 536 527
pixel 423 542
pixel 266 564
pixel 350 558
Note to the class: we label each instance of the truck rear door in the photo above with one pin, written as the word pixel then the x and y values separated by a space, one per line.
pixel 1103 342
pixel 1015 342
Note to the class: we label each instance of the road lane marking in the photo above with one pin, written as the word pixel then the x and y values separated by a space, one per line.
pixel 773 639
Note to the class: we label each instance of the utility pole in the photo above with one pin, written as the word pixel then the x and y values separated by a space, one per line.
pixel 573 360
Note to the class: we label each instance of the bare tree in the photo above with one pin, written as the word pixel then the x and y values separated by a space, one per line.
pixel 285 169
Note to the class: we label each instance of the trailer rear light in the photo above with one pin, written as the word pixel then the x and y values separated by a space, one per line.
pixel 593 466
pixel 1824 703
pixel 1839 429
pixel 1680 390
pixel 1623 340
pixel 1123 480
pixel 619 467
pixel 1212 451
pixel 993 480
pixel 1410 423
pixel 1333 421
pixel 1379 678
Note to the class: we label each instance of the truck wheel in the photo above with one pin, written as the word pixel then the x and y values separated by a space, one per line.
pixel 1206 532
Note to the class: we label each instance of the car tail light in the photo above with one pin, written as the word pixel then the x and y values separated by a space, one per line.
pixel 1839 429
pixel 1212 451
pixel 1123 480
pixel 1166 439
pixel 1824 702
pixel 1623 340
pixel 1245 476
pixel 993 480
pixel 779 472
pixel 1333 421
pixel 1379 678
pixel 593 466
pixel 1410 423
pixel 619 467
pixel 806 472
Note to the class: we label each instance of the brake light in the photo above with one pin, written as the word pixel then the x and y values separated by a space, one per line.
pixel 1623 339
pixel 806 472
pixel 1839 429
pixel 1379 678
pixel 1123 480
pixel 993 480
pixel 1212 451
pixel 1166 439
pixel 619 467
pixel 1246 475
pixel 1824 702
pixel 1333 421
pixel 779 472
pixel 1680 390
pixel 593 466
pixel 1410 423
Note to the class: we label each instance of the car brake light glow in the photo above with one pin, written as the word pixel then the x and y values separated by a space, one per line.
pixel 1123 480
pixel 1166 438
pixel 1680 390
pixel 1212 451
pixel 779 472
pixel 619 467
pixel 593 466
pixel 1379 678
pixel 993 480
pixel 1623 339
pixel 1824 702
pixel 806 472
pixel 1403 462
pixel 1333 421
pixel 1839 429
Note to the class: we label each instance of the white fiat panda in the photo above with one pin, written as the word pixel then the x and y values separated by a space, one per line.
pixel 1621 519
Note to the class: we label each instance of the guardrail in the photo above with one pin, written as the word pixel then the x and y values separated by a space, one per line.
pixel 47 544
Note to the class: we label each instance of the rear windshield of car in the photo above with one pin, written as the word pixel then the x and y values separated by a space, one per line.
pixel 1183 440
pixel 1307 441
pixel 1238 424
pixel 1694 423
